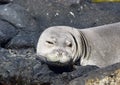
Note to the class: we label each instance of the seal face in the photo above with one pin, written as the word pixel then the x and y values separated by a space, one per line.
pixel 57 46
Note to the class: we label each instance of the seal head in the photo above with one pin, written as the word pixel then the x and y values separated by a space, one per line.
pixel 59 45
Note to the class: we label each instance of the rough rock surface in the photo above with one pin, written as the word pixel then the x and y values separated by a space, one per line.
pixel 23 67
pixel 7 32
pixel 5 1
pixel 77 13
pixel 18 22
pixel 17 16
pixel 21 23
pixel 105 76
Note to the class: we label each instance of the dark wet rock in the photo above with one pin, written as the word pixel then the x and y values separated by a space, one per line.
pixel 67 3
pixel 45 4
pixel 42 74
pixel 81 70
pixel 13 63
pixel 81 15
pixel 22 65
pixel 105 76
pixel 18 29
pixel 65 77
pixel 5 1
pixel 17 16
pixel 7 32
pixel 24 40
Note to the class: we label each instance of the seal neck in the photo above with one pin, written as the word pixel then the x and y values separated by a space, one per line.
pixel 85 46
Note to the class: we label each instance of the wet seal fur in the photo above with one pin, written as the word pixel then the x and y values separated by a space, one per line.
pixel 63 45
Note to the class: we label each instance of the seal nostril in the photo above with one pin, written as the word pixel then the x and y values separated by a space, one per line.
pixel 59 53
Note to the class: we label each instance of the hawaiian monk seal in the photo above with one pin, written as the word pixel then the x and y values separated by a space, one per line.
pixel 63 45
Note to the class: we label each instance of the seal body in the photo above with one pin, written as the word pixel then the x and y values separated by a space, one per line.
pixel 104 42
pixel 92 46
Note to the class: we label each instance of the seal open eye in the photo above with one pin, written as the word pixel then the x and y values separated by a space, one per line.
pixel 49 42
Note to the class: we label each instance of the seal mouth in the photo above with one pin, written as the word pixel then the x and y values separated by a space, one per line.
pixel 58 63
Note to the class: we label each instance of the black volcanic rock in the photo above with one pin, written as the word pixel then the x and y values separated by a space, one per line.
pixel 5 2
pixel 80 15
pixel 105 76
pixel 17 16
pixel 18 28
pixel 24 40
pixel 7 32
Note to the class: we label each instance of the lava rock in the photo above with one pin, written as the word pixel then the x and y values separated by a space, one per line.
pixel 81 70
pixel 20 24
pixel 67 3
pixel 65 77
pixel 105 76
pixel 5 1
pixel 7 32
pixel 24 40
pixel 23 65
pixel 82 15
pixel 17 16
pixel 16 66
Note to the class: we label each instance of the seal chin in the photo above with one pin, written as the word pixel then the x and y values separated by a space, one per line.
pixel 58 60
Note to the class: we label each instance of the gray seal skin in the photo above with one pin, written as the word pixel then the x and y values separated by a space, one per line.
pixel 63 45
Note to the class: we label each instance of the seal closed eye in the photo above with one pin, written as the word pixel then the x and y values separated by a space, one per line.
pixel 92 46
pixel 49 42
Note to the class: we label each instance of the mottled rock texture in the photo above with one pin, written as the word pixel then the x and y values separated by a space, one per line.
pixel 104 76
pixel 76 13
